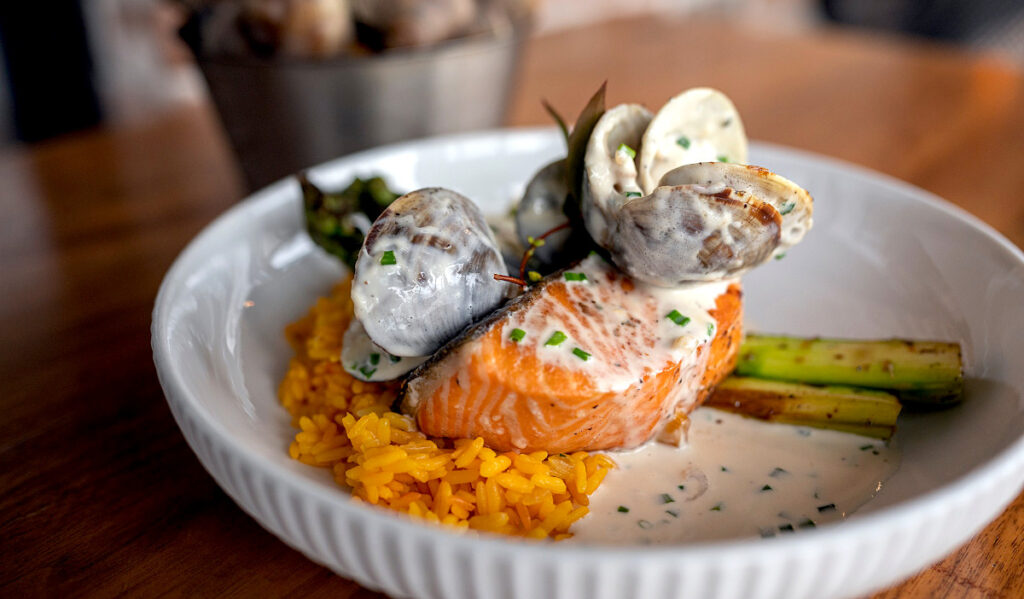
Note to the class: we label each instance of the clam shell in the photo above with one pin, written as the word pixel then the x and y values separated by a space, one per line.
pixel 542 209
pixel 792 202
pixel 698 125
pixel 690 233
pixel 611 173
pixel 425 272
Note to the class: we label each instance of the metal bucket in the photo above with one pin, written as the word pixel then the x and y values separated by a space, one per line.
pixel 285 115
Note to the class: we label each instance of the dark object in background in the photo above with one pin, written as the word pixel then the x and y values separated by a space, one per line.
pixel 954 20
pixel 49 68
pixel 283 113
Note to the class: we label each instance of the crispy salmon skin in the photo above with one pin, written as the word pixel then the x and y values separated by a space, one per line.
pixel 587 359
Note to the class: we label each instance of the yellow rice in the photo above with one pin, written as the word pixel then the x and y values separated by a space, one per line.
pixel 347 425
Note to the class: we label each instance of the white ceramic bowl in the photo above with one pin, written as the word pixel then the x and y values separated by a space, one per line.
pixel 884 259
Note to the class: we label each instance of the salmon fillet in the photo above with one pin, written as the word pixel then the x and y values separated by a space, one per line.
pixel 585 360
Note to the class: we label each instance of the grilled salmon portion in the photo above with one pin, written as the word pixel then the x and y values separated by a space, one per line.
pixel 587 359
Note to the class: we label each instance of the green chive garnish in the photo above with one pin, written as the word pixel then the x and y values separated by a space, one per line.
pixel 395 359
pixel 633 194
pixel 644 524
pixel 777 473
pixel 517 335
pixel 808 523
pixel 711 329
pixel 672 513
pixel 717 508
pixel 723 159
pixel 786 528
pixel 787 208
pixel 678 318
pixel 866 447
pixel 830 507
pixel 766 488
pixel 579 353
pixel 556 338
pixel 388 258
pixel 575 276
pixel 534 276
pixel 724 469
pixel 628 150
pixel 682 487
pixel 367 372
pixel 684 141
pixel 666 498
pixel 623 509
pixel 780 256
pixel 374 359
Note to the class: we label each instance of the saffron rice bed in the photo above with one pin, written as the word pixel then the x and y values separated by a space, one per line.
pixel 347 426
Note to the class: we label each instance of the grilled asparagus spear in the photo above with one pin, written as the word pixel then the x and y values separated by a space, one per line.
pixel 860 411
pixel 337 221
pixel 923 372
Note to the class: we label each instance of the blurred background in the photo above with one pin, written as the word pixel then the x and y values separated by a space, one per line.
pixel 300 81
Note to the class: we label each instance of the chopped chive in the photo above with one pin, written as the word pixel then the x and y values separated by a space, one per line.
pixel 684 141
pixel 563 455
pixel 767 488
pixel 534 276
pixel 682 487
pixel 807 523
pixel 628 150
pixel 367 372
pixel 374 359
pixel 644 524
pixel 556 338
pixel 866 447
pixel 723 158
pixel 395 359
pixel 717 508
pixel 666 498
pixel 678 318
pixel 517 335
pixel 724 469
pixel 777 473
pixel 786 528
pixel 780 256
pixel 787 208
pixel 672 513
pixel 579 353
pixel 623 509
pixel 711 329
pixel 726 122
pixel 575 276
pixel 632 194
pixel 388 258
pixel 830 507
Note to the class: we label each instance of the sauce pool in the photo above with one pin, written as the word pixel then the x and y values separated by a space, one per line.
pixel 736 477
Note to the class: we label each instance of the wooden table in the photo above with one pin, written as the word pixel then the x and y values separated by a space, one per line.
pixel 99 495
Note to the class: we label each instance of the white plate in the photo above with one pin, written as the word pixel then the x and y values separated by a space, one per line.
pixel 884 259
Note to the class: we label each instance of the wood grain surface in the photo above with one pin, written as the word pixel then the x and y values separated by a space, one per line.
pixel 100 496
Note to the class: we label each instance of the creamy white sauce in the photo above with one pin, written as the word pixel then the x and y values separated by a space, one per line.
pixel 595 331
pixel 715 486
pixel 367 361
